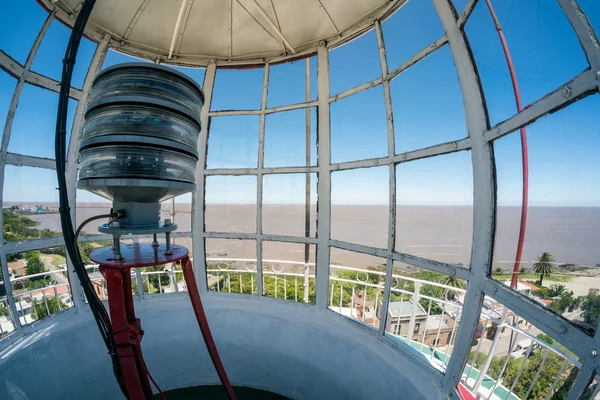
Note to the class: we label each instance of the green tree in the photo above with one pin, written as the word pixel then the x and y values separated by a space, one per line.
pixel 563 390
pixel 154 279
pixel 39 309
pixel 544 266
pixel 566 302
pixel 556 290
pixel 591 308
pixel 477 359
pixel 3 311
pixel 17 227
pixel 545 338
pixel 498 271
pixel 147 289
pixel 35 265
pixel 454 282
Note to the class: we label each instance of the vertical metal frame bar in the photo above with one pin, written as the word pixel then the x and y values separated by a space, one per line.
pixel 585 33
pixel 392 177
pixel 73 156
pixel 259 180
pixel 324 178
pixel 12 108
pixel 198 203
pixel 591 47
pixel 484 189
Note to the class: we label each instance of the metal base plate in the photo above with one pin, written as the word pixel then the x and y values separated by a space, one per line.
pixel 160 228
pixel 138 255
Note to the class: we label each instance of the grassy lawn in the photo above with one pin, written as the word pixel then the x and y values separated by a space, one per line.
pixel 55 259
pixel 535 277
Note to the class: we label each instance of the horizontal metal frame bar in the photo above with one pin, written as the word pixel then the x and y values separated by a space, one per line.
pixel 356 89
pixel 229 113
pixel 22 160
pixel 255 236
pixel 438 149
pixel 56 241
pixel 272 110
pixel 557 327
pixel 256 171
pixel 579 87
pixel 407 64
pixel 359 248
pixel 437 266
pixel 418 57
pixel 297 106
pixel 16 70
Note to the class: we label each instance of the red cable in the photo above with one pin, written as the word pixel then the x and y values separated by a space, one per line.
pixel 156 385
pixel 524 152
pixel 190 281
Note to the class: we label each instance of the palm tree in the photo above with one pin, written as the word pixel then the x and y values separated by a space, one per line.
pixel 544 266
pixel 453 281
pixel 556 290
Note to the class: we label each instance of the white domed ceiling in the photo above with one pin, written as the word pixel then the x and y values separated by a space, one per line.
pixel 197 31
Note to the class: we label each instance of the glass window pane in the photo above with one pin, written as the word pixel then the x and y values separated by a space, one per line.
pixel 233 142
pixel 359 127
pixel 34 125
pixel 89 205
pixel 230 204
pixel 591 8
pixel 30 201
pixel 526 363
pixel 284 204
pixel 360 206
pixel 238 89
pixel 549 56
pixel 285 271
pixel 285 138
pixel 354 63
pixel 356 283
pixel 424 311
pixel 20 23
pixel 48 59
pixel 287 83
pixel 460 5
pixel 114 57
pixel 231 265
pixel 560 254
pixel 427 103
pixel 40 285
pixel 434 211
pixel 197 74
pixel 409 30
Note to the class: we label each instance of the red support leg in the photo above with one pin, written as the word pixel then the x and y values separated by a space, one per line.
pixel 127 332
pixel 190 281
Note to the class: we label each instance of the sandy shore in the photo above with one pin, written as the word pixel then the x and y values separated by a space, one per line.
pixel 581 285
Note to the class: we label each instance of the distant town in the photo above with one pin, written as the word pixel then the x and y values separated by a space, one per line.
pixel 33 209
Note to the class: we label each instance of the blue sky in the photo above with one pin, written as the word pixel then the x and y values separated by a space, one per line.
pixel 427 104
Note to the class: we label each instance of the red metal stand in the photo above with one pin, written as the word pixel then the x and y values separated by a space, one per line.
pixel 127 329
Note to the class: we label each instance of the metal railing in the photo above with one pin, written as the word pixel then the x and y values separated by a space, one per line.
pixel 429 324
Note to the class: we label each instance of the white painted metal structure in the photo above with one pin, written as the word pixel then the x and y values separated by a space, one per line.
pixel 242 31
pixel 188 40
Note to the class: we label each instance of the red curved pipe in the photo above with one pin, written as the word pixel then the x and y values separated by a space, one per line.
pixel 524 152
pixel 190 281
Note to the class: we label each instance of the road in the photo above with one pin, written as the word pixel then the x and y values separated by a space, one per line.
pixel 59 277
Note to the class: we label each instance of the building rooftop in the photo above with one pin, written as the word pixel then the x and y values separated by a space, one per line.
pixel 404 308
